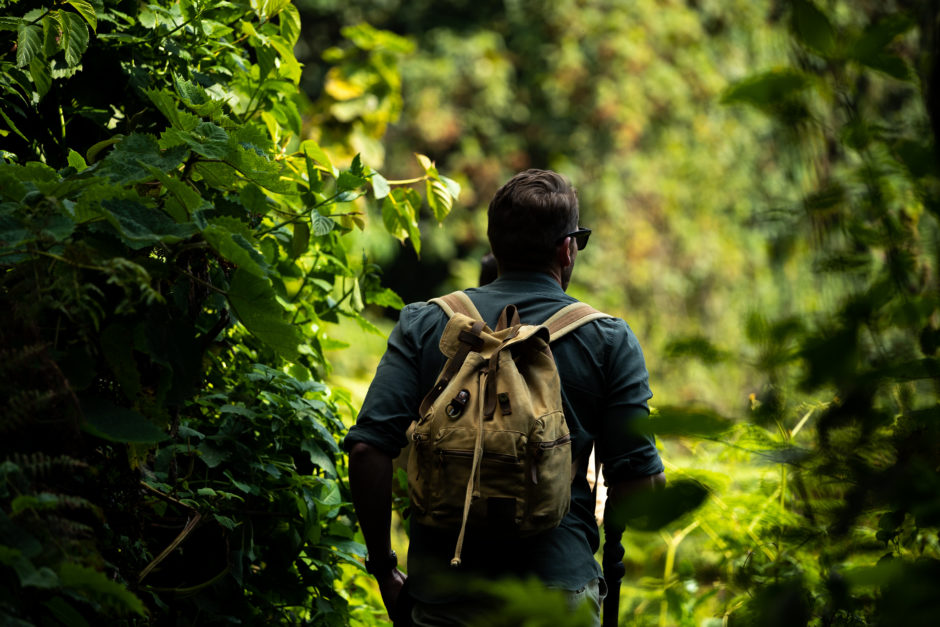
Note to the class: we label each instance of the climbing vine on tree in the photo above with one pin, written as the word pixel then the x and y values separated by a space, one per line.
pixel 172 251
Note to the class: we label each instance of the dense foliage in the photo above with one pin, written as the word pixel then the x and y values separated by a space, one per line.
pixel 172 253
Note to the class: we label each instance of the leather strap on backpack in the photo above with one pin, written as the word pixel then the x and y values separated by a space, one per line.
pixel 457 302
pixel 570 317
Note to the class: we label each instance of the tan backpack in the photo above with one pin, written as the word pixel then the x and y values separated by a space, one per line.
pixel 491 446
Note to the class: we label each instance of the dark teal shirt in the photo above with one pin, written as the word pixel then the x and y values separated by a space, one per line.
pixel 605 386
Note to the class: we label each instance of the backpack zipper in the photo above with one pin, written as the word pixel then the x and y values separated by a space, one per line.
pixel 486 454
pixel 540 449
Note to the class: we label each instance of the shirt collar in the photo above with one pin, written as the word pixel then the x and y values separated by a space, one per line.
pixel 543 279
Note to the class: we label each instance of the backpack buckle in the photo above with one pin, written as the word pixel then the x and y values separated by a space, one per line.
pixel 457 404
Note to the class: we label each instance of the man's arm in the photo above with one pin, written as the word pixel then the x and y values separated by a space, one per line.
pixel 370 480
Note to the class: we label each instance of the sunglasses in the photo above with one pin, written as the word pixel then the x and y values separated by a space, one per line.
pixel 580 237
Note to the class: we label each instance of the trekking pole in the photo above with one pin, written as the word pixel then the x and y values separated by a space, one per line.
pixel 614 570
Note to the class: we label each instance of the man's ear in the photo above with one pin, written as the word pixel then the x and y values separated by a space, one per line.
pixel 563 254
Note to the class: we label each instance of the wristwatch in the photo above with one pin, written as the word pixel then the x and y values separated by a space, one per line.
pixel 383 565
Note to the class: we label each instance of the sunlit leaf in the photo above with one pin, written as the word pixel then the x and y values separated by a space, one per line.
pixel 439 199
pixel 255 304
pixel 28 43
pixel 380 186
pixel 76 37
pixel 86 10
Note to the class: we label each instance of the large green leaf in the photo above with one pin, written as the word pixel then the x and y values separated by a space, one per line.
pixel 683 421
pixel 812 26
pixel 75 33
pixel 106 420
pixel 207 139
pixel 767 89
pixel 100 588
pixel 256 305
pixel 652 510
pixel 141 226
pixel 399 211
pixel 28 43
pixel 439 199
pixel 234 240
pixel 41 74
pixel 871 47
pixel 128 161
pixel 86 10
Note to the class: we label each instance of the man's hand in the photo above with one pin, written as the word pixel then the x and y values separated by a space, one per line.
pixel 390 584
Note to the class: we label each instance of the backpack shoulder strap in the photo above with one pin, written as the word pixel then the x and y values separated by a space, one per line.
pixel 570 317
pixel 457 302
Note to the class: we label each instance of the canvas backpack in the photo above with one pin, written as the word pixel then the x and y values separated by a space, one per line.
pixel 491 447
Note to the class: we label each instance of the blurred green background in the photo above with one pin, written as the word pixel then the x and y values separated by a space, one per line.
pixel 761 181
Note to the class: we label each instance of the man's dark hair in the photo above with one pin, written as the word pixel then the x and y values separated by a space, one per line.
pixel 527 216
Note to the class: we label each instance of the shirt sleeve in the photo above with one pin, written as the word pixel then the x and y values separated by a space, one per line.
pixel 624 444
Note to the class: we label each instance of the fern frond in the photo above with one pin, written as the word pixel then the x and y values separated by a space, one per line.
pixel 24 406
pixel 12 360
pixel 67 528
pixel 39 465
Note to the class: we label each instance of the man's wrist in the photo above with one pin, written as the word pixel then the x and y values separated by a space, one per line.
pixel 382 565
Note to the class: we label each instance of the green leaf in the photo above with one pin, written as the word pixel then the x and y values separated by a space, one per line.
pixel 40 72
pixel 128 161
pixel 300 239
pixel 696 347
pixel 683 421
pixel 767 89
pixel 322 225
pixel 97 586
pixel 652 510
pixel 871 47
pixel 312 150
pixel 140 226
pixel 439 199
pixel 87 11
pixel 426 164
pixel 53 37
pixel 319 458
pixel 348 181
pixel 207 139
pixel 190 92
pixel 187 200
pixel 289 23
pixel 233 239
pixel 108 421
pixel 452 186
pixel 399 210
pixel 812 27
pixel 28 43
pixel 76 37
pixel 254 302
pixel 11 23
pixel 380 186
pixel 257 168
pixel 385 298
pixel 12 233
pixel 76 160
